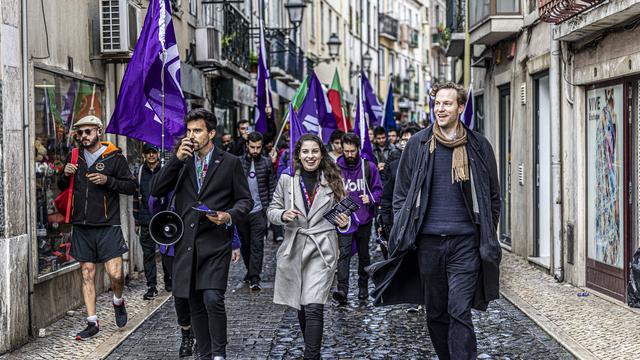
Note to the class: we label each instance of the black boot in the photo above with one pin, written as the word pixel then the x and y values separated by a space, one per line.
pixel 186 346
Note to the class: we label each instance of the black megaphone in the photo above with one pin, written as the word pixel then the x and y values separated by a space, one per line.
pixel 166 228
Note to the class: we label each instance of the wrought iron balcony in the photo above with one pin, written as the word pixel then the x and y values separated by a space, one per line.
pixel 557 11
pixel 235 39
pixel 388 26
pixel 286 58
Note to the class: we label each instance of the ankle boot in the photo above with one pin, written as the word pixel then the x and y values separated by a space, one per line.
pixel 186 346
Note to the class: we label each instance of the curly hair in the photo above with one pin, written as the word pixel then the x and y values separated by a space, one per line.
pixel 462 95
pixel 328 167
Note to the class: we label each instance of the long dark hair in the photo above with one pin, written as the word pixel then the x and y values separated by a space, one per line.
pixel 327 166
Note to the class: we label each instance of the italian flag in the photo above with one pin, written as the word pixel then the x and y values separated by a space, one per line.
pixel 335 99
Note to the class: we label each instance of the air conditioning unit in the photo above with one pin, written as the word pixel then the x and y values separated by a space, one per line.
pixel 119 26
pixel 208 44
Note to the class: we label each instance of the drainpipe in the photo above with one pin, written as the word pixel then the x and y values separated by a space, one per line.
pixel 556 162
pixel 27 158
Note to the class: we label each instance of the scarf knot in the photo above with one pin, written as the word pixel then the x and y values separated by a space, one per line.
pixel 459 160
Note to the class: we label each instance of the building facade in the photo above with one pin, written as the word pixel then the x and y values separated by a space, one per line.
pixel 557 94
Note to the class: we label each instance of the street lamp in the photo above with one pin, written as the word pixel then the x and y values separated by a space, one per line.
pixel 366 61
pixel 334 45
pixel 295 8
pixel 411 71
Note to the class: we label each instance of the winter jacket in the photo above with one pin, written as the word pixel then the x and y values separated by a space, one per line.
pixel 141 211
pixel 354 183
pixel 397 280
pixel 264 174
pixel 99 205
pixel 382 154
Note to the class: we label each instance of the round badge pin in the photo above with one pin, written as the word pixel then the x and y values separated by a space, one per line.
pixel 100 166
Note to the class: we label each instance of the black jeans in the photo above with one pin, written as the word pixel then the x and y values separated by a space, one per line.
pixel 361 238
pixel 252 230
pixel 209 322
pixel 183 311
pixel 311 322
pixel 149 256
pixel 449 269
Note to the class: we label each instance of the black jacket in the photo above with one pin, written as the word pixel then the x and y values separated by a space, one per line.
pixel 238 147
pixel 141 212
pixel 205 248
pixel 265 175
pixel 397 279
pixel 386 200
pixel 99 205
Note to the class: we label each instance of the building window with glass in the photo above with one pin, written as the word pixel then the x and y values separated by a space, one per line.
pixel 58 102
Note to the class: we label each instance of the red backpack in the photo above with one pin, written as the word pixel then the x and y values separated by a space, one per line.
pixel 63 200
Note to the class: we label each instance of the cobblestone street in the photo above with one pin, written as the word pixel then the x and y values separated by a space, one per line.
pixel 259 329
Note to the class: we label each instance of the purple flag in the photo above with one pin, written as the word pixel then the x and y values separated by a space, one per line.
pixel 316 112
pixel 432 111
pixel 371 103
pixel 362 130
pixel 138 109
pixel 467 114
pixel 264 102
pixel 296 130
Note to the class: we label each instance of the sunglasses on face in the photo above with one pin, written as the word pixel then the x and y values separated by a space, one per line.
pixel 80 132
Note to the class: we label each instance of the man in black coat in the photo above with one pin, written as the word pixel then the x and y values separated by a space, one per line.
pixel 253 228
pixel 443 246
pixel 211 178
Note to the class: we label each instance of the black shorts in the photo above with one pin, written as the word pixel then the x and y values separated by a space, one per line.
pixel 97 244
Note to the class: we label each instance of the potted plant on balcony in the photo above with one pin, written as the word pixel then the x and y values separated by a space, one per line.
pixel 253 62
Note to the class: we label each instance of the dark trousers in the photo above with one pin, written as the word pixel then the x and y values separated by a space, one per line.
pixel 361 238
pixel 252 230
pixel 278 231
pixel 149 256
pixel 449 269
pixel 209 322
pixel 311 323
pixel 183 311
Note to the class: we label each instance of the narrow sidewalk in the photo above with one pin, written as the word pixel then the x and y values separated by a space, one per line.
pixel 591 327
pixel 59 342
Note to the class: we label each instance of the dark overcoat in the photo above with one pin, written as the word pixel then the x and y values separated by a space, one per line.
pixel 205 248
pixel 397 279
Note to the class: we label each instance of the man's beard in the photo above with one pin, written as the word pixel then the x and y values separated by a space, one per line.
pixel 91 143
pixel 351 161
pixel 254 156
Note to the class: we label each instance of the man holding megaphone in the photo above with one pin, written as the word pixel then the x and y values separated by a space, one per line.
pixel 211 194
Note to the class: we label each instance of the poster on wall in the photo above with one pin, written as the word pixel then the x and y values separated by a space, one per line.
pixel 605 189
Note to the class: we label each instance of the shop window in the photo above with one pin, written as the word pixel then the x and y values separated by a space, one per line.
pixel 58 102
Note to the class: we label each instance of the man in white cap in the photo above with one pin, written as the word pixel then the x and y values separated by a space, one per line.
pixel 101 175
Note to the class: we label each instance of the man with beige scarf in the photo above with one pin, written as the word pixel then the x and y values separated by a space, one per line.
pixel 444 252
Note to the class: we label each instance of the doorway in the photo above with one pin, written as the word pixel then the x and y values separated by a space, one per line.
pixel 542 196
pixel 504 114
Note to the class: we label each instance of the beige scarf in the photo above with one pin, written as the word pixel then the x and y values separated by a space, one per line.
pixel 460 160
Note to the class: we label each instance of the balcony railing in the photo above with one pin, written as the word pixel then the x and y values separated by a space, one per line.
pixel 235 42
pixel 286 55
pixel 480 10
pixel 455 15
pixel 414 38
pixel 557 11
pixel 388 26
pixel 437 39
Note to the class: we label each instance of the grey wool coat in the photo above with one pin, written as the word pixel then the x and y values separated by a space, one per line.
pixel 307 258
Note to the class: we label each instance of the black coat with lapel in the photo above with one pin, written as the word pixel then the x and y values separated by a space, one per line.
pixel 205 248
pixel 397 279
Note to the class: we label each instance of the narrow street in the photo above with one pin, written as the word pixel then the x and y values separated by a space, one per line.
pixel 259 329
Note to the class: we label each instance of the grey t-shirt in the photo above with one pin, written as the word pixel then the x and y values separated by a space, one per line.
pixel 255 190
pixel 91 158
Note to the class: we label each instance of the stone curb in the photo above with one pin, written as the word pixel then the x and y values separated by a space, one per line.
pixel 564 339
pixel 108 346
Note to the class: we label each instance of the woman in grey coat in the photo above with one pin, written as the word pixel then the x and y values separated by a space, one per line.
pixel 307 258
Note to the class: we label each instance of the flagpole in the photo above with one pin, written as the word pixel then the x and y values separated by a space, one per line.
pixel 162 151
pixel 362 137
pixel 284 123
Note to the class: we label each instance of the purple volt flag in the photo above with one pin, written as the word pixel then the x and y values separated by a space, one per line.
pixel 138 112
pixel 467 114
pixel 362 130
pixel 316 112
pixel 371 103
pixel 264 103
pixel 432 111
pixel 296 130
